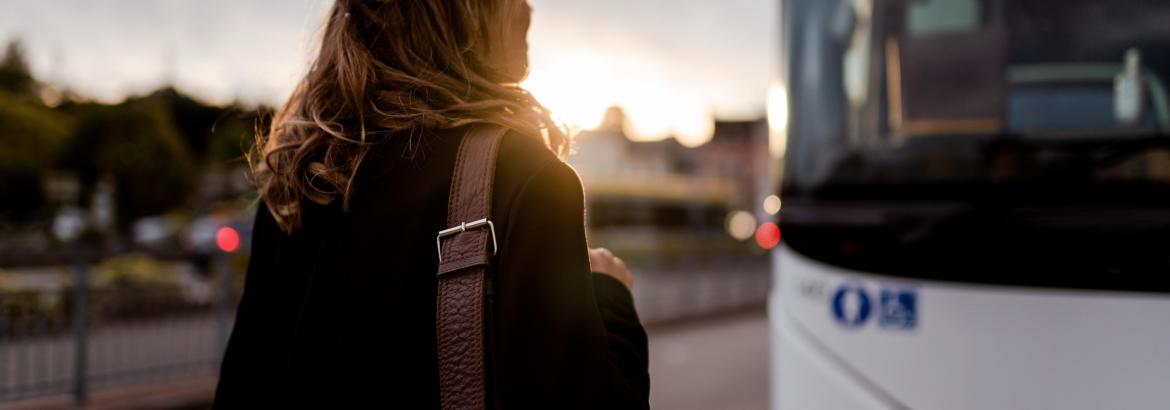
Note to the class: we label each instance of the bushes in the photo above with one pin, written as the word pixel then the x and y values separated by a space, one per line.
pixel 126 287
pixel 29 311
pixel 130 286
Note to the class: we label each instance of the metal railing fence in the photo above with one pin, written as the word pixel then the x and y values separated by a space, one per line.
pixel 87 336
pixel 82 336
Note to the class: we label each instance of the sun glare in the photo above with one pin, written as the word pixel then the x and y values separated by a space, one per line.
pixel 578 87
pixel 777 118
pixel 566 87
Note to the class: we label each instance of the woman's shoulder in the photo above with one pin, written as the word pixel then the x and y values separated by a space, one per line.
pixel 525 151
pixel 526 160
pixel 526 170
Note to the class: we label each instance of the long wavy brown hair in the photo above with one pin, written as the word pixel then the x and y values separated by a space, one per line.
pixel 390 69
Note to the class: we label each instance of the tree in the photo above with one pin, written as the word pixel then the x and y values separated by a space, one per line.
pixel 234 135
pixel 138 145
pixel 30 136
pixel 193 119
pixel 15 76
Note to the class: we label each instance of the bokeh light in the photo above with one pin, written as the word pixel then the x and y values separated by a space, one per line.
pixel 740 225
pixel 772 204
pixel 227 239
pixel 768 235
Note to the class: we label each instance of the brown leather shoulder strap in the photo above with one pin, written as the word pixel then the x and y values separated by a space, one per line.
pixel 464 254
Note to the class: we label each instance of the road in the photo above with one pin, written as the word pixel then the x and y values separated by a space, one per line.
pixel 698 360
pixel 718 362
pixel 714 363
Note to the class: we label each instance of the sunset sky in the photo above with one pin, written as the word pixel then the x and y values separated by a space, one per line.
pixel 673 65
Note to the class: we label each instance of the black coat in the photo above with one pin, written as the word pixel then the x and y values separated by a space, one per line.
pixel 341 312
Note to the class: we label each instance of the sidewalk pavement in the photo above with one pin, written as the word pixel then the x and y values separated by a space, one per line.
pixel 177 394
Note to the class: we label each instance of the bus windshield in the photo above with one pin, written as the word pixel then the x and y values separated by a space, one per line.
pixel 970 91
pixel 929 128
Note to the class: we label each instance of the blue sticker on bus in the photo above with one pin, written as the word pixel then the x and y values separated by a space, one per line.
pixel 898 309
pixel 851 305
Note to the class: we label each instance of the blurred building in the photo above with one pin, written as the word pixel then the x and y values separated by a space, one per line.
pixel 662 199
pixel 729 169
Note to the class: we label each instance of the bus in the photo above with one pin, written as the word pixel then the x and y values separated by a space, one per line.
pixel 976 205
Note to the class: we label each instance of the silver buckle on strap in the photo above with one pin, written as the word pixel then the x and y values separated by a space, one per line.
pixel 463 227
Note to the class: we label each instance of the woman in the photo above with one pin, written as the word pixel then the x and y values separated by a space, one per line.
pixel 339 302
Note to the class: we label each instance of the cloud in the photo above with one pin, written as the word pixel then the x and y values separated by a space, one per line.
pixel 722 50
pixel 218 49
pixel 255 50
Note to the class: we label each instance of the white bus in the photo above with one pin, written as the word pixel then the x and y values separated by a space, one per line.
pixel 976 206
